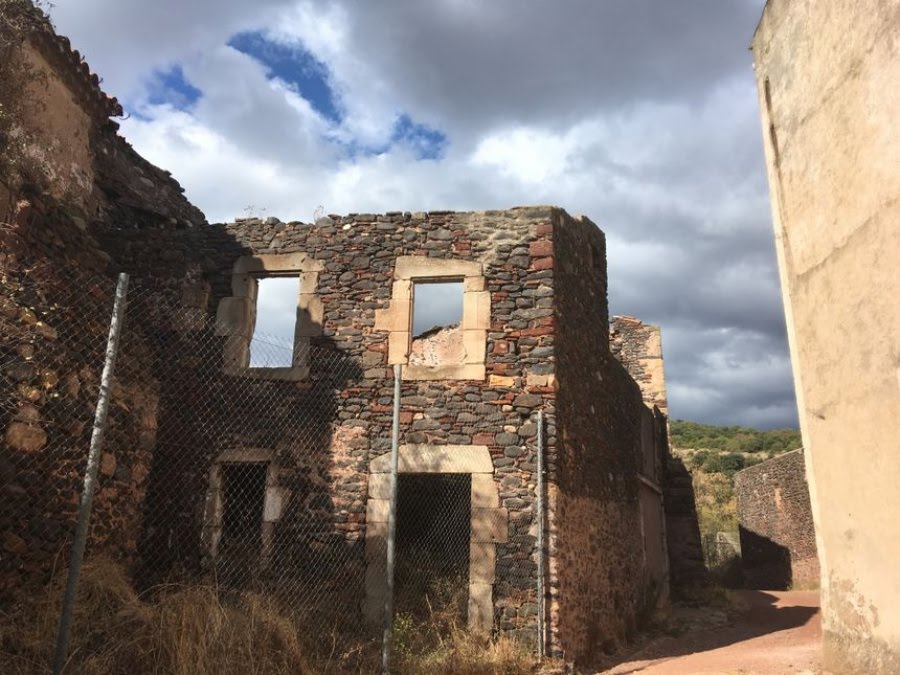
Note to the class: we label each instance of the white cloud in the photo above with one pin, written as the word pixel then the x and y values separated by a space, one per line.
pixel 641 115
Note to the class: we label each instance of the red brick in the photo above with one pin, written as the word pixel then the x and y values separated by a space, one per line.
pixel 483 439
pixel 544 229
pixel 542 264
pixel 541 248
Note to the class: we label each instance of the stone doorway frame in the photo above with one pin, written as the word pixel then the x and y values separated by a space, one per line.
pixel 489 523
pixel 275 499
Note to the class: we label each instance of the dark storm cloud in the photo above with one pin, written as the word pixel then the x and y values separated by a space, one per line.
pixel 462 64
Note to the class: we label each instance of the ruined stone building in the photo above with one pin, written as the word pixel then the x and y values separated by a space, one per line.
pixel 827 77
pixel 194 413
pixel 638 346
pixel 778 541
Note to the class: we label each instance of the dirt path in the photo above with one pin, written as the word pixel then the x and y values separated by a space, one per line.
pixel 779 633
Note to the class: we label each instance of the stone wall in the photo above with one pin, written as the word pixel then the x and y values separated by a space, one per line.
pixel 778 541
pixel 826 75
pixel 73 154
pixel 358 255
pixel 55 305
pixel 535 306
pixel 596 546
pixel 687 566
pixel 56 295
pixel 638 346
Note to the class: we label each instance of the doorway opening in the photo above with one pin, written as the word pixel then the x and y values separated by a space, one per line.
pixel 243 500
pixel 433 543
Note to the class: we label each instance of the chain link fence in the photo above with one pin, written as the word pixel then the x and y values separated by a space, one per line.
pixel 270 480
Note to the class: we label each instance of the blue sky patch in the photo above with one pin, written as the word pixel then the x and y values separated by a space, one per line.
pixel 171 87
pixel 427 143
pixel 293 65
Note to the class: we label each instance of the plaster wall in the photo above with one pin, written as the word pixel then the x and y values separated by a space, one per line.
pixel 63 128
pixel 827 78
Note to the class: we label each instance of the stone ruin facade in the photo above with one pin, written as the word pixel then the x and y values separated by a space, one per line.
pixel 532 336
pixel 638 346
pixel 532 279
pixel 778 540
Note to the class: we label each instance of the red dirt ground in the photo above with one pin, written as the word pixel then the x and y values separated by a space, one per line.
pixel 777 633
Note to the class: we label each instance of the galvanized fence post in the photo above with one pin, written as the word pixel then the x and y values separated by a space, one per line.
pixel 388 636
pixel 539 502
pixel 90 478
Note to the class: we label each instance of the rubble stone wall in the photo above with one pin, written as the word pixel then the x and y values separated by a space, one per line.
pixel 638 346
pixel 778 541
pixel 358 255
pixel 55 306
pixel 56 297
pixel 597 555
pixel 593 488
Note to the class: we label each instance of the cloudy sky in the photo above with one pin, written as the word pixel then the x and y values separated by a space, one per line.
pixel 641 114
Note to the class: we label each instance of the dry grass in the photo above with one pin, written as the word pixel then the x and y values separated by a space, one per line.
pixel 192 630
pixel 435 640
pixel 187 631
pixel 463 654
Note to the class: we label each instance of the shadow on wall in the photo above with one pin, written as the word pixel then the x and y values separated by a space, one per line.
pixel 766 564
pixel 208 508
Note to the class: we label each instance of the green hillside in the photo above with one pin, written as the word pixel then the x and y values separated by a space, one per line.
pixel 713 454
pixel 686 434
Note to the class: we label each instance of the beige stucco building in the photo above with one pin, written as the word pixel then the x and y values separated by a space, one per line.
pixel 828 75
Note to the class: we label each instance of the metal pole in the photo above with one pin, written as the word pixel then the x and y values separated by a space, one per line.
pixel 540 532
pixel 388 636
pixel 90 478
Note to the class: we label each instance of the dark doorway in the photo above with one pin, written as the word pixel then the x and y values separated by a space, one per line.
pixel 243 497
pixel 433 533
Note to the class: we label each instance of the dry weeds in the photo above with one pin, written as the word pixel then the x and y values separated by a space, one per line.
pixel 195 630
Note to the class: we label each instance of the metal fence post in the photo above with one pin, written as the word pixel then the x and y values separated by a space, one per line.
pixel 539 502
pixel 388 636
pixel 90 478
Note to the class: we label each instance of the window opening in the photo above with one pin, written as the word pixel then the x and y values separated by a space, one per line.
pixel 437 323
pixel 272 345
pixel 433 535
pixel 243 499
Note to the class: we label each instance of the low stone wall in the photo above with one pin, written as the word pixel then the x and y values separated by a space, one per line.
pixel 778 541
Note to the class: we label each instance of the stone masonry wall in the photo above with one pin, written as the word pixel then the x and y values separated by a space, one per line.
pixel 597 548
pixel 55 305
pixel 358 253
pixel 56 296
pixel 778 541
pixel 594 512
pixel 638 346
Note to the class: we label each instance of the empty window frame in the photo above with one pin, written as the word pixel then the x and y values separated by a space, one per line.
pixel 436 336
pixel 274 332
